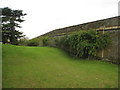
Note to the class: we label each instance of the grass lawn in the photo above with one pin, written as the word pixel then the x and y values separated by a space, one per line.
pixel 45 67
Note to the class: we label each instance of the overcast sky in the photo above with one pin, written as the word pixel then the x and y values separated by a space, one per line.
pixel 46 15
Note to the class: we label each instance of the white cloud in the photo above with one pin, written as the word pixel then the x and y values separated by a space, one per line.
pixel 47 15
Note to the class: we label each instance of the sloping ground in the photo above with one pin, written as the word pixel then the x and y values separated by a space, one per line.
pixel 45 67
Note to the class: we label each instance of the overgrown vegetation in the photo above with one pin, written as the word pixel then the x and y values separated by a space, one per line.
pixel 84 44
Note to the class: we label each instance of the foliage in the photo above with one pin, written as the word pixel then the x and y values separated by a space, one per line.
pixel 23 41
pixel 85 43
pixel 32 43
pixel 45 41
pixel 10 21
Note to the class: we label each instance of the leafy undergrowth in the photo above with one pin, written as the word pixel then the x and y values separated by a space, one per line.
pixel 45 67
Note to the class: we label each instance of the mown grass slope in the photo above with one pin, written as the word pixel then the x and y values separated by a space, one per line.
pixel 45 67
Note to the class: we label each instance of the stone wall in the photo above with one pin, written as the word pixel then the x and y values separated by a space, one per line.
pixel 111 52
pixel 110 25
pixel 110 22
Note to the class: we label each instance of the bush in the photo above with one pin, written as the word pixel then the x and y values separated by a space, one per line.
pixel 32 43
pixel 85 44
pixel 23 41
pixel 45 41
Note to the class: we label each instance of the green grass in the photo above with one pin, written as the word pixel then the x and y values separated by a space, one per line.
pixel 45 67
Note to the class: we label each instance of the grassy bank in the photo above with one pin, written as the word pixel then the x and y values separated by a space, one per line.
pixel 45 67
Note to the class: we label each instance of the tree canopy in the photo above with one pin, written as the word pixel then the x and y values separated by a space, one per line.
pixel 11 20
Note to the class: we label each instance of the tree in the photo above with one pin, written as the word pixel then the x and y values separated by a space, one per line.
pixel 10 21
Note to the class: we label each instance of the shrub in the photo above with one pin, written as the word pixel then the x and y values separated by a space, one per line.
pixel 85 44
pixel 23 41
pixel 45 41
pixel 32 43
